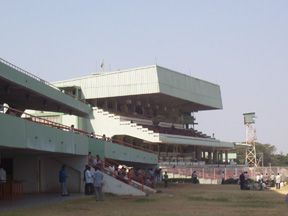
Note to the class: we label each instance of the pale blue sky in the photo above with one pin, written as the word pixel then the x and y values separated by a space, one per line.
pixel 240 45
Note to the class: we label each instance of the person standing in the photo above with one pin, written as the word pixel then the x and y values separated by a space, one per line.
pixel 88 179
pixel 165 179
pixel 98 183
pixel 278 181
pixel 62 180
pixel 223 177
pixel 194 177
pixel 242 181
pixel 3 176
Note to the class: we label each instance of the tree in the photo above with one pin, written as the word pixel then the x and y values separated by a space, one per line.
pixel 279 160
pixel 267 151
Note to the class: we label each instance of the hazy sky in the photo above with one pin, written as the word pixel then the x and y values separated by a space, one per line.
pixel 240 45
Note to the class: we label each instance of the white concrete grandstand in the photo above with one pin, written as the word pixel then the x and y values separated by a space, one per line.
pixel 137 118
pixel 151 107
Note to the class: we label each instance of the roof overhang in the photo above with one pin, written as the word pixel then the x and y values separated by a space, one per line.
pixel 161 83
pixel 22 91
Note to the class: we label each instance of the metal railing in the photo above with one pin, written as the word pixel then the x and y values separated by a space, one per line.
pixel 28 73
pixel 37 78
pixel 134 183
pixel 43 121
pixel 214 172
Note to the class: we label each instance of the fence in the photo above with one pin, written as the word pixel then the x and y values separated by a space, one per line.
pixel 218 172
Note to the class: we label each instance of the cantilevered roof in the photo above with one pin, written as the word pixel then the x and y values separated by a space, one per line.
pixel 22 90
pixel 156 82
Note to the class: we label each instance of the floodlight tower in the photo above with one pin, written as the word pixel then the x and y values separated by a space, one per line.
pixel 249 121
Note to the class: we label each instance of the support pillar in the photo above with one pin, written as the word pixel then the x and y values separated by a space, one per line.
pixel 215 156
pixel 198 154
pixel 226 157
pixel 209 157
pixel 221 157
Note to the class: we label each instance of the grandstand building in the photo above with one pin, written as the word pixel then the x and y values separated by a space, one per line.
pixel 151 107
pixel 136 117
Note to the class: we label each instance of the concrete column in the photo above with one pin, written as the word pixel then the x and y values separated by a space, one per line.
pixel 221 156
pixel 193 156
pixel 209 157
pixel 115 106
pixel 215 156
pixel 105 104
pixel 133 106
pixel 226 156
pixel 198 153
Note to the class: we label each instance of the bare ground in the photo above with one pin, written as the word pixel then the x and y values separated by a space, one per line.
pixel 179 199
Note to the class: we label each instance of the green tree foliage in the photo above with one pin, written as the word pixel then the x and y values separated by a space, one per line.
pixel 267 152
pixel 279 160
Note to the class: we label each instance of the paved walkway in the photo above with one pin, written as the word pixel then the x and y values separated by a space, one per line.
pixel 36 200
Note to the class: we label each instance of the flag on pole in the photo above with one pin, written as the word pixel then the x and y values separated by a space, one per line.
pixel 102 64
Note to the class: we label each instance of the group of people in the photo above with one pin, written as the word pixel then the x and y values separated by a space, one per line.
pixel 262 181
pixel 149 177
pixel 93 180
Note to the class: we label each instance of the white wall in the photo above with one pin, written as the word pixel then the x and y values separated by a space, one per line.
pixel 114 186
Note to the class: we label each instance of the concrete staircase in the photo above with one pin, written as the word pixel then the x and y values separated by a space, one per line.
pixel 118 187
pixel 110 124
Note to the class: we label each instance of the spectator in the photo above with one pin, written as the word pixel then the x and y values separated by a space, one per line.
pixel 242 181
pixel 278 181
pixel 90 159
pixel 72 128
pixel 104 137
pixel 92 135
pixel 223 177
pixel 98 162
pixel 98 184
pixel 88 179
pixel 3 176
pixel 165 179
pixel 62 180
pixel 158 175
pixel 194 177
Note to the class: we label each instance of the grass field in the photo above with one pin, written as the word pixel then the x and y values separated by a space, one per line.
pixel 178 199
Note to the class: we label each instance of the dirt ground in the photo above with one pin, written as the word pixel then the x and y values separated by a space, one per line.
pixel 178 199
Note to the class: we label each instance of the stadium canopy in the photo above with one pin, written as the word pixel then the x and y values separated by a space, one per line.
pixel 151 84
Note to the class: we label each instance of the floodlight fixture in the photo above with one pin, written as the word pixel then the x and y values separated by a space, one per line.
pixel 249 118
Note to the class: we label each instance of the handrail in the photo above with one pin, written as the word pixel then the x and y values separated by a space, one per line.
pixel 37 78
pixel 28 73
pixel 132 146
pixel 68 128
pixel 128 181
pixel 132 181
pixel 39 120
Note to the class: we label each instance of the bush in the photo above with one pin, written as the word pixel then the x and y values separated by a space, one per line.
pixel 231 181
pixel 181 180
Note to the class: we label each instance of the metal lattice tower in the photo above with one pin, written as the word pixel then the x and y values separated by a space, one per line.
pixel 249 121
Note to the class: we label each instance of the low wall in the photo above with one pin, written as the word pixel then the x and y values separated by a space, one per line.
pixel 114 186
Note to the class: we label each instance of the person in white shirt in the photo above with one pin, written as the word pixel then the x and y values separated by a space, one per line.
pixel 278 181
pixel 88 178
pixel 2 175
